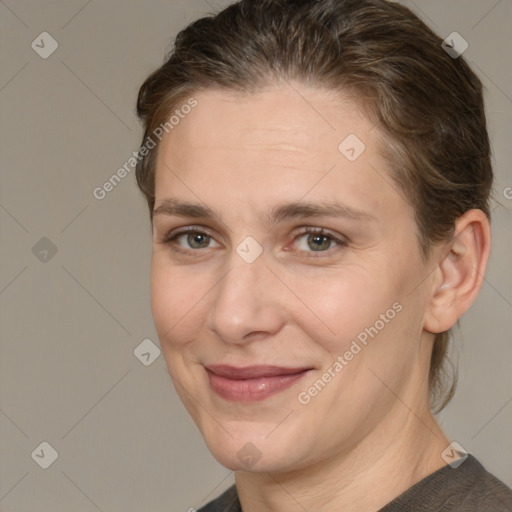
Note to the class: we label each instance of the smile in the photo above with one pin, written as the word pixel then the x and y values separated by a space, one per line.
pixel 252 383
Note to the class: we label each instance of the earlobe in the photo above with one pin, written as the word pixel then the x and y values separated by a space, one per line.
pixel 460 271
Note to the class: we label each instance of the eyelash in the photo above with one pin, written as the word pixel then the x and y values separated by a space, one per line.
pixel 171 238
pixel 340 243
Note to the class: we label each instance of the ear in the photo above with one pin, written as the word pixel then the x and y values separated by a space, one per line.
pixel 460 271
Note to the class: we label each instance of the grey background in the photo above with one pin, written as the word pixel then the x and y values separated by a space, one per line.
pixel 70 324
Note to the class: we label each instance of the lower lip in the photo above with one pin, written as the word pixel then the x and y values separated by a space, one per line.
pixel 252 390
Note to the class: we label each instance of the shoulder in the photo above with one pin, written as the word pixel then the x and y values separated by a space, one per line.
pixel 226 502
pixel 467 488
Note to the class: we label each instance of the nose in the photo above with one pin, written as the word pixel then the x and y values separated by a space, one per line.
pixel 246 303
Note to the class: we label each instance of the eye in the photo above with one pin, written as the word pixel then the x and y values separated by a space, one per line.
pixel 196 240
pixel 316 240
pixel 190 239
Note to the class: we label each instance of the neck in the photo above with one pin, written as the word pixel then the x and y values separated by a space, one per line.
pixel 381 467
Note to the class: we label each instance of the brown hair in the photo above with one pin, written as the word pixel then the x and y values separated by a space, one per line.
pixel 428 105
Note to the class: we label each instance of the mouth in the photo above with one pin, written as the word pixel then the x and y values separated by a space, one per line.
pixel 252 383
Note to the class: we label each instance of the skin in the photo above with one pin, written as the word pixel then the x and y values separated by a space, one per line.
pixel 369 434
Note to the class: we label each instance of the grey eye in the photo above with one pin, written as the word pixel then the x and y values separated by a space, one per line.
pixel 198 240
pixel 319 242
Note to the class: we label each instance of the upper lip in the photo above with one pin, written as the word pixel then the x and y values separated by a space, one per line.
pixel 252 372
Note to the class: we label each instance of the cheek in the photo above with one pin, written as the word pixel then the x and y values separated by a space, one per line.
pixel 175 297
pixel 346 304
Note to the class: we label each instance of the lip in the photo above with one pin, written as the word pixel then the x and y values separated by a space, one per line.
pixel 252 383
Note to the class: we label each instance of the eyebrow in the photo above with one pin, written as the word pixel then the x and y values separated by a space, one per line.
pixel 300 210
pixel 183 209
pixel 280 213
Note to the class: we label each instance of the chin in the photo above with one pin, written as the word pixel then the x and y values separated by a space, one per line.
pixel 251 449
pixel 250 458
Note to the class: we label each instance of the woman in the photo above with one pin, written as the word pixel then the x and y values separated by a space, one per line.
pixel 318 177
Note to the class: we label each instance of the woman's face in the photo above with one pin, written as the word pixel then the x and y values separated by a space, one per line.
pixel 287 346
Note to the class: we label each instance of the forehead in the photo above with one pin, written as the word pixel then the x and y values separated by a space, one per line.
pixel 290 124
pixel 252 148
pixel 291 113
